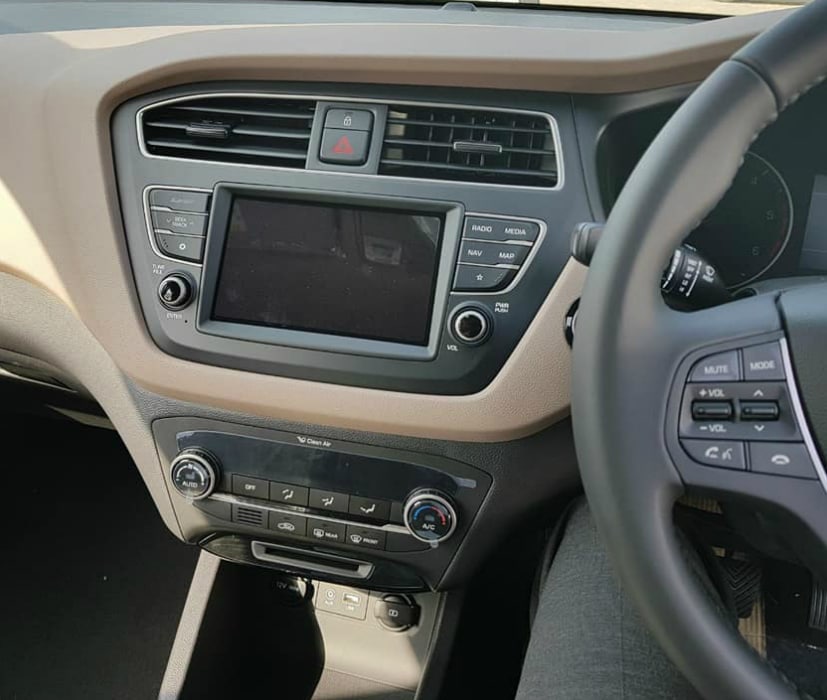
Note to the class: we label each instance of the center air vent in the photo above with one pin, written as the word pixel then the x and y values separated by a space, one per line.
pixel 254 130
pixel 470 145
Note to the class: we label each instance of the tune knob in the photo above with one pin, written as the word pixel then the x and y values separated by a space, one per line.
pixel 430 516
pixel 176 291
pixel 194 474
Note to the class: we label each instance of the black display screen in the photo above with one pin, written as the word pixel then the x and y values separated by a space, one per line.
pixel 344 270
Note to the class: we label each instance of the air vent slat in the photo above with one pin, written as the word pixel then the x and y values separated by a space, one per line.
pixel 257 152
pixel 246 112
pixel 459 167
pixel 247 129
pixel 470 145
pixel 461 125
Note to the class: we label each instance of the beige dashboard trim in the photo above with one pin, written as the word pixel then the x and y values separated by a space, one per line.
pixel 60 223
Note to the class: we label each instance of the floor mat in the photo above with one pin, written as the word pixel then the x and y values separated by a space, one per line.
pixel 91 581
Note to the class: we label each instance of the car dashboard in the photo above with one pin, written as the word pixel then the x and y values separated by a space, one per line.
pixel 313 260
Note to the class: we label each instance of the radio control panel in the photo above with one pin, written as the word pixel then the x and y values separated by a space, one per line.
pixel 328 269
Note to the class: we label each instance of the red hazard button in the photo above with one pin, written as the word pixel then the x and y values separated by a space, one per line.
pixel 344 146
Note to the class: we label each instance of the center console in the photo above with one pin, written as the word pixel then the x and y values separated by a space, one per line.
pixel 360 236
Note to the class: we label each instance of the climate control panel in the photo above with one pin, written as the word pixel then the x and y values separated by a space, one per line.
pixel 398 515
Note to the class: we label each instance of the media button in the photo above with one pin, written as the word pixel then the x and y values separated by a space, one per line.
pixel 487 229
pixel 325 531
pixel 493 253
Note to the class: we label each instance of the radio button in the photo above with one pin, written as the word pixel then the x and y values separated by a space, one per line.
pixel 479 278
pixel 500 229
pixel 493 253
pixel 181 247
pixel 329 500
pixel 180 200
pixel 176 222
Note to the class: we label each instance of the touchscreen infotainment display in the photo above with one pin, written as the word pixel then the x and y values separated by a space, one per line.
pixel 329 268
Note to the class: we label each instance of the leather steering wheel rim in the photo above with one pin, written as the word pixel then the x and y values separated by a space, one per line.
pixel 630 347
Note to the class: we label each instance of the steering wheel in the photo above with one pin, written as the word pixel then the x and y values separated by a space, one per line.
pixel 638 367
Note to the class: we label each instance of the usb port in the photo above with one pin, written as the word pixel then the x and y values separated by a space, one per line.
pixel 351 598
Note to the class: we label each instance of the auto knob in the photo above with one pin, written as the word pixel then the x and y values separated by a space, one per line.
pixel 194 473
pixel 430 516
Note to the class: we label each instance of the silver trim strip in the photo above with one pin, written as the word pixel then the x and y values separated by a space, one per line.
pixel 150 229
pixel 798 411
pixel 363 568
pixel 231 498
pixel 521 270
pixel 555 134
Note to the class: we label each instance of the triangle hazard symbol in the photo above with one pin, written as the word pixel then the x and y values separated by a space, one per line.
pixel 343 146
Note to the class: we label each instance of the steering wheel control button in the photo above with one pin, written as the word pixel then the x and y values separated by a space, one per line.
pixel 344 146
pixel 250 487
pixel 470 326
pixel 781 458
pixel 175 291
pixel 178 222
pixel 370 508
pixel 329 500
pixel 194 474
pixel 326 531
pixel 712 410
pixel 287 524
pixel 471 278
pixel 763 363
pixel 760 410
pixel 396 612
pixel 430 517
pixel 366 537
pixel 484 253
pixel 189 248
pixel 723 367
pixel 351 119
pixel 716 453
pixel 288 494
pixel 180 200
pixel 485 229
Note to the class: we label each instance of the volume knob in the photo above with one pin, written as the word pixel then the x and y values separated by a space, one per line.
pixel 430 516
pixel 194 474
